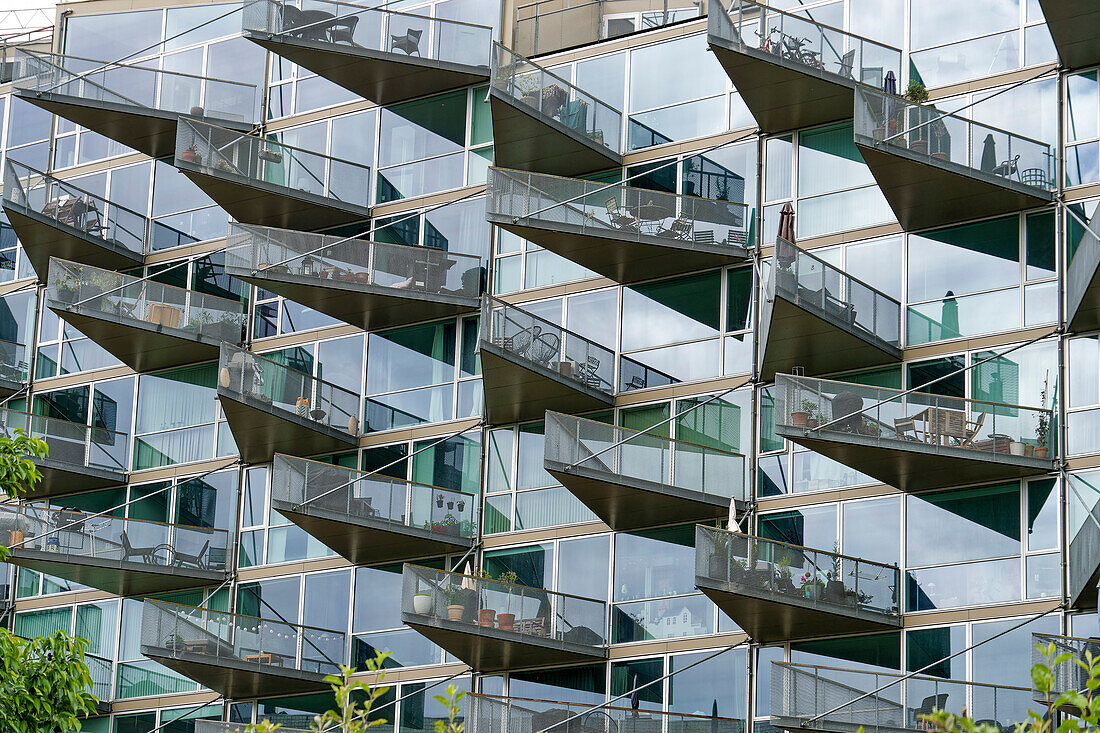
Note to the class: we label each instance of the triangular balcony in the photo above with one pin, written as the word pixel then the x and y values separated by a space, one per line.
pixel 370 518
pixel 1083 556
pixel 626 234
pixel 936 168
pixel 790 70
pixel 1083 271
pixel 820 318
pixel 1072 25
pixel 380 55
pixel 53 218
pixel 917 440
pixel 144 324
pixel 543 123
pixel 373 285
pixel 263 181
pixel 529 366
pixel 632 480
pixel 778 592
pixel 80 457
pixel 1069 674
pixel 495 626
pixel 125 557
pixel 133 105
pixel 272 408
pixel 240 656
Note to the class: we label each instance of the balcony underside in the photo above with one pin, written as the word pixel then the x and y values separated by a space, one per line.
pixel 370 307
pixel 235 678
pixel 141 346
pixel 9 386
pixel 120 579
pixel 492 650
pixel 60 478
pixel 517 389
pixel 621 259
pixel 524 141
pixel 770 618
pixel 626 503
pixel 1084 565
pixel 912 465
pixel 1084 310
pixel 260 432
pixel 380 76
pixel 924 193
pixel 265 204
pixel 1073 25
pixel 367 541
pixel 149 131
pixel 784 95
pixel 43 238
pixel 797 337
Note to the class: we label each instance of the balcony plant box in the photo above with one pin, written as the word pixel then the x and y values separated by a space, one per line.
pixel 422 603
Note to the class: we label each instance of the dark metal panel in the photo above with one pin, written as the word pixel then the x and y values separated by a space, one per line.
pixel 236 679
pixel 60 478
pixel 121 579
pixel 261 431
pixel 1075 27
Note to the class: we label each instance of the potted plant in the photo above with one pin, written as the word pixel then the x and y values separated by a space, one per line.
pixel 1042 427
pixel 486 616
pixel 1016 448
pixel 506 620
pixel 422 603
pixel 809 586
pixel 190 155
pixel 785 581
pixel 271 156
pixel 812 414
pixel 439 501
pixel 918 94
pixel 834 587
pixel 456 606
pixel 450 525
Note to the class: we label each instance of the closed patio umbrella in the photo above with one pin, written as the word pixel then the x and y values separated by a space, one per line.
pixel 890 84
pixel 949 316
pixel 786 223
pixel 989 154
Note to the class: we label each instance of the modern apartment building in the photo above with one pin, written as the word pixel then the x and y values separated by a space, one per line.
pixel 632 365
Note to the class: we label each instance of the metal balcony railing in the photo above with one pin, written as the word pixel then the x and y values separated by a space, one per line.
pixel 217 726
pixel 108 294
pixel 544 26
pixel 14 367
pixel 555 100
pixel 101 671
pixel 72 444
pixel 1083 251
pixel 818 578
pixel 1069 675
pixel 481 603
pixel 135 86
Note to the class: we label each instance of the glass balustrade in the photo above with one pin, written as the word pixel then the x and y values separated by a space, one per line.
pixel 70 444
pixel 544 26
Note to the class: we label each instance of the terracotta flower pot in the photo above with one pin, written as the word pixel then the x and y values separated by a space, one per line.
pixel 486 617
pixel 455 611
pixel 799 418
pixel 505 621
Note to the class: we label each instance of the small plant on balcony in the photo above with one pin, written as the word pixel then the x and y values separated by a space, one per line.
pixel 450 525
pixel 916 92
pixel 834 587
pixel 506 620
pixel 806 417
pixel 719 562
pixel 1042 427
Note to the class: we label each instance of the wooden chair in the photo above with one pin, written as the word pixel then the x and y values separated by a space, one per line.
pixel 681 229
pixel 906 429
pixel 973 428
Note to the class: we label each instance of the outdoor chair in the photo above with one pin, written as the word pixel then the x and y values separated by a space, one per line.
pixel 129 552
pixel 618 218
pixel 342 30
pixel 544 349
pixel 973 428
pixel 905 428
pixel 1008 168
pixel 409 43
pixel 846 62
pixel 681 229
pixel 183 559
pixel 520 342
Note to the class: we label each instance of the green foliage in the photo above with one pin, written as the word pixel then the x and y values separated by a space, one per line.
pixel 450 699
pixel 916 92
pixel 17 469
pixel 44 683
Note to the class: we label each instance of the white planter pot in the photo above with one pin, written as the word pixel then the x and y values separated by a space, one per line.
pixel 422 603
pixel 1016 448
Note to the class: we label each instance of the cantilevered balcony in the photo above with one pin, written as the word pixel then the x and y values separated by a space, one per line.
pixel 144 324
pixel 14 368
pixel 272 408
pixel 1072 25
pixel 372 518
pixel 777 592
pixel 633 480
pixel 240 656
pixel 626 234
pixel 936 168
pixel 380 55
pixel 134 105
pixel 790 70
pixel 494 626
pixel 121 556
pixel 80 457
pixel 1069 675
pixel 57 219
pixel 917 440
pixel 814 699
pixel 263 181
pixel 1083 270
pixel 820 318
pixel 1084 548
pixel 543 123
pixel 369 284
pixel 529 366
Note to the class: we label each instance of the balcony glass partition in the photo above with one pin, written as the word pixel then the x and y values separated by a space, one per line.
pixel 100 670
pixel 70 443
pixel 135 86
pixel 546 94
pixel 496 713
pixel 14 367
pixel 223 153
pixel 356 27
pixel 535 340
pixel 544 26
pixel 895 124
pixel 535 613
pixel 817 578
pixel 112 295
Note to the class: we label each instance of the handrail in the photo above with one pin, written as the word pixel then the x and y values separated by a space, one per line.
pixel 107 65
pixel 899 673
pixel 768 8
pixel 827 266
pixel 544 70
pixel 241 615
pixel 604 707
pixel 504 582
pixel 50 177
pixel 802 547
pixel 505 304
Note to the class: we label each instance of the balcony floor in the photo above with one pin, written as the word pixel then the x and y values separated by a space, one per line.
pixel 617 257
pixel 627 503
pixel 925 192
pixel 517 389
pixel 820 343
pixel 379 76
pixel 1073 26
pixel 43 238
pixel 370 307
pixel 266 204
pixel 493 650
pixel 235 678
pixel 120 579
pixel 912 465
pixel 772 617
pixel 60 478
pixel 261 431
pixel 524 140
pixel 366 541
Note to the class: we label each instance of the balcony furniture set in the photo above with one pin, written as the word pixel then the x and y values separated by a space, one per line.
pixel 75 212
pixel 649 219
